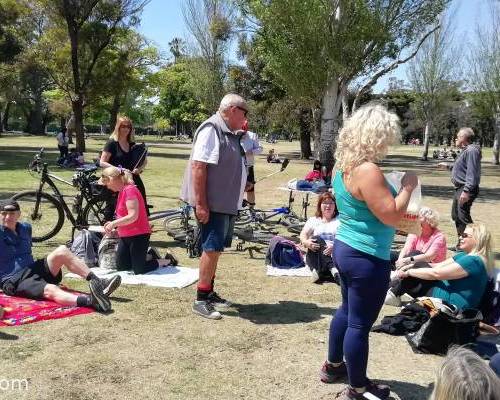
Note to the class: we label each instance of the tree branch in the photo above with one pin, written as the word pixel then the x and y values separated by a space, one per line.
pixel 363 89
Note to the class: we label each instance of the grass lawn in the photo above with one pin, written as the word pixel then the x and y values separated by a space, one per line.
pixel 270 346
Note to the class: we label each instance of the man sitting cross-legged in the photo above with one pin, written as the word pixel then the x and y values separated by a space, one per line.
pixel 22 276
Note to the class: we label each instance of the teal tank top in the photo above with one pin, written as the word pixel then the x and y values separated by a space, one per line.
pixel 359 227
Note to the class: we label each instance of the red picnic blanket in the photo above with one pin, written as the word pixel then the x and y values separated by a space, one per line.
pixel 20 311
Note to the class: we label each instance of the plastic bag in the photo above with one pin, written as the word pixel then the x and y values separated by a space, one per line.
pixel 410 222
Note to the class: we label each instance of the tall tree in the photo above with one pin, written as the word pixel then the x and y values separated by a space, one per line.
pixel 485 73
pixel 11 44
pixel 177 102
pixel 210 23
pixel 122 72
pixel 431 74
pixel 90 28
pixel 317 48
pixel 177 48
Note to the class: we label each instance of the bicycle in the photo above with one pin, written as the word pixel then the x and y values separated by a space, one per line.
pixel 46 211
pixel 182 227
pixel 287 217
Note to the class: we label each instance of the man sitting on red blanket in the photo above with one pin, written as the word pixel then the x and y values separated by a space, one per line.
pixel 22 276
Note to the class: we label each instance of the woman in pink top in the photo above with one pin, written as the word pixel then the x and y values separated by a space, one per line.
pixel 429 247
pixel 131 223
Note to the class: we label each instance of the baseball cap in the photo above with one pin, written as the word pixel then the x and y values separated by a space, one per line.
pixel 9 205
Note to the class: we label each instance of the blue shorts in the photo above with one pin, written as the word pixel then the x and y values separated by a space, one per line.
pixel 217 233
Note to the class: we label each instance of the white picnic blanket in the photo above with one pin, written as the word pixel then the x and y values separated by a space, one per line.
pixel 168 277
pixel 304 271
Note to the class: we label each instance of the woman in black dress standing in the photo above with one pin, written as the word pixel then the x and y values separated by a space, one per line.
pixel 119 152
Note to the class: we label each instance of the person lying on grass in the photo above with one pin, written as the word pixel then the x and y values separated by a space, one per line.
pixel 22 276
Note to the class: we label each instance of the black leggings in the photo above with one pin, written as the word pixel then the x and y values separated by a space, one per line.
pixel 415 287
pixel 131 255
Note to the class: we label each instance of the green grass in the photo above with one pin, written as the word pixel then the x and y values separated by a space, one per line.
pixel 270 346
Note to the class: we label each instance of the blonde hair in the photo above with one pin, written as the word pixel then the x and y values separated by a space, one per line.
pixel 430 216
pixel 116 133
pixel 465 376
pixel 113 172
pixel 484 244
pixel 366 136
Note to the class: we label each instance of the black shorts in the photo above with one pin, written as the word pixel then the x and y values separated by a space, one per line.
pixel 31 281
pixel 251 175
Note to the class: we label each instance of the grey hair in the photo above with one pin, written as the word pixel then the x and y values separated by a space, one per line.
pixel 468 133
pixel 231 100
pixel 430 216
pixel 465 376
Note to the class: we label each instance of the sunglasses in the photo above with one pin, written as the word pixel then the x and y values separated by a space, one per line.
pixel 245 112
pixel 329 203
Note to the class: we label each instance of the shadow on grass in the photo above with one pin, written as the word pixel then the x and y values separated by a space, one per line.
pixel 447 191
pixel 284 312
pixel 7 336
pixel 166 244
pixel 121 299
pixel 407 390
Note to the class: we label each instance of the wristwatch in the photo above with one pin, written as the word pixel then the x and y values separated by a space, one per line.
pixel 412 259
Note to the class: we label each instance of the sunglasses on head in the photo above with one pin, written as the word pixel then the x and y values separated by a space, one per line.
pixel 245 112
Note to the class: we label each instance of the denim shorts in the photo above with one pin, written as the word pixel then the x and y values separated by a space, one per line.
pixel 217 233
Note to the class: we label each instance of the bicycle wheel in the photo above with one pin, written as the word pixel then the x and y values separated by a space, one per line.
pixel 178 227
pixel 244 217
pixel 94 212
pixel 253 236
pixel 43 211
pixel 297 228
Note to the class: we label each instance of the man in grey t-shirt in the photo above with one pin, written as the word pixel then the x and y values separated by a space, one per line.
pixel 465 176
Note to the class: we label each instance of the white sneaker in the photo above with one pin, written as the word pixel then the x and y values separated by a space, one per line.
pixel 392 300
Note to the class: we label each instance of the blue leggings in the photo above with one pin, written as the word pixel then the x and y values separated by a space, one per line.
pixel 364 282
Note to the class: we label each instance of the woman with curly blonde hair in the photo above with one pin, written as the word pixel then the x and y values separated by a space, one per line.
pixel 368 211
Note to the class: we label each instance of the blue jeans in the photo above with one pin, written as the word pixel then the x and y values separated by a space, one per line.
pixel 364 280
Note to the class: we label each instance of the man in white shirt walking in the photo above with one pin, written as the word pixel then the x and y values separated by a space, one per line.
pixel 251 145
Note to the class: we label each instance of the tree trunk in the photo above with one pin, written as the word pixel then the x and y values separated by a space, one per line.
pixel 305 134
pixel 78 115
pixel 316 113
pixel 62 123
pixel 345 106
pixel 1 124
pixel 35 119
pixel 427 136
pixel 331 103
pixel 115 108
pixel 496 141
pixel 5 119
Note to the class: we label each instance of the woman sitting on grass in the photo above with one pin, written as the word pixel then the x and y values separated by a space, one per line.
pixel 460 280
pixel 131 223
pixel 429 246
pixel 317 237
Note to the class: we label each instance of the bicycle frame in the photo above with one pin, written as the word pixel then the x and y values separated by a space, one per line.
pixel 48 178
